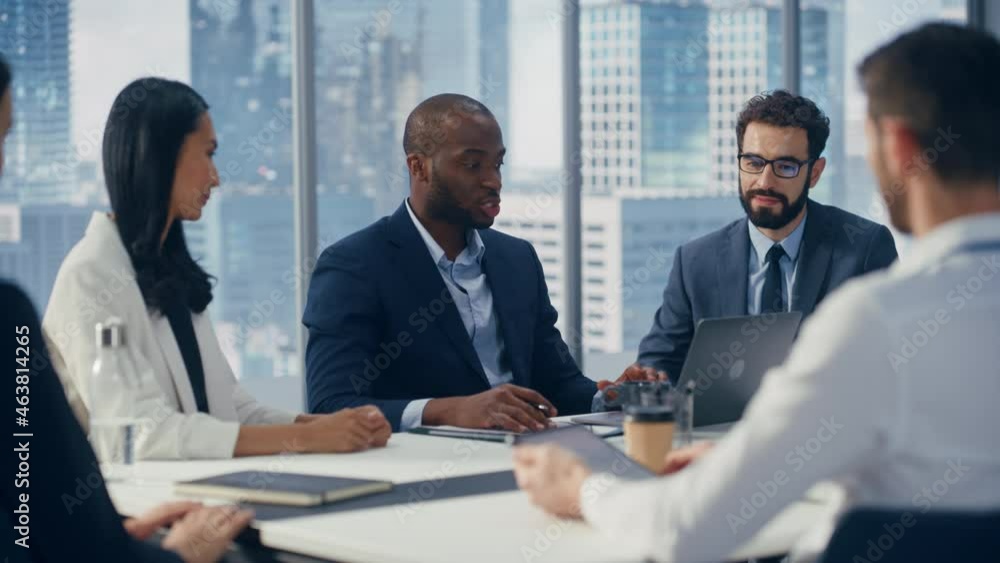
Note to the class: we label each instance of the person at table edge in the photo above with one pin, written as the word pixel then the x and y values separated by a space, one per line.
pixel 429 313
pixel 891 387
pixel 787 254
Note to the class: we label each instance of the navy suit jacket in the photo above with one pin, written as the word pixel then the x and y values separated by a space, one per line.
pixel 709 277
pixel 384 330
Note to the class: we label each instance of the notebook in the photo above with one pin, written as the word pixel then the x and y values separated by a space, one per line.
pixel 291 489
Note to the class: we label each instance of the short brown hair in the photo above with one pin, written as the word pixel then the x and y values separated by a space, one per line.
pixel 943 80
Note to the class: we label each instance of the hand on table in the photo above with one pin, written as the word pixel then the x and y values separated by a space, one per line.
pixel 634 372
pixel 203 535
pixel 508 407
pixel 552 477
pixel 143 527
pixel 347 430
pixel 682 457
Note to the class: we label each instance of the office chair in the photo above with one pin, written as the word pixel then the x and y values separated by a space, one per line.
pixel 901 536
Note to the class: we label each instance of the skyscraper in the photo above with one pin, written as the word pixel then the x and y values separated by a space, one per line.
pixel 745 57
pixel 644 99
pixel 466 50
pixel 46 233
pixel 629 240
pixel 493 46
pixel 663 81
pixel 241 65
pixel 34 36
pixel 367 81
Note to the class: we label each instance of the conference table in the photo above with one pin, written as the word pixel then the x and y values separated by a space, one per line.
pixel 453 500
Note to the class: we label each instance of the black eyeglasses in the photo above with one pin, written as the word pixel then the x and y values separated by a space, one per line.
pixel 782 167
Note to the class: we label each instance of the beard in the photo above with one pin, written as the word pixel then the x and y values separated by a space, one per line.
pixel 890 189
pixel 442 205
pixel 765 218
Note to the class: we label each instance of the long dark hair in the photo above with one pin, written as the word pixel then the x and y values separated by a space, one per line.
pixel 147 126
pixel 4 74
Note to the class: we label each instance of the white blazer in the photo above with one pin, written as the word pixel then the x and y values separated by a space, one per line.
pixel 97 281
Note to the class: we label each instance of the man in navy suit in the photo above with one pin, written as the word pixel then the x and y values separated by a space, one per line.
pixel 431 315
pixel 787 254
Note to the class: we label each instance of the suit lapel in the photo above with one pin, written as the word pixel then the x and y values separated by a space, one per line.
pixel 733 271
pixel 426 285
pixel 817 251
pixel 172 354
pixel 500 275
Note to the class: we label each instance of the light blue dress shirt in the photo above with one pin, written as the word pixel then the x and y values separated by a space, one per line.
pixel 759 245
pixel 468 285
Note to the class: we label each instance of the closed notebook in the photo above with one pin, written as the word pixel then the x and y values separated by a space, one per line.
pixel 291 489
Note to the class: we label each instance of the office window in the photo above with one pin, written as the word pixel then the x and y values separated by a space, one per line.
pixel 240 61
pixel 846 32
pixel 681 100
pixel 70 59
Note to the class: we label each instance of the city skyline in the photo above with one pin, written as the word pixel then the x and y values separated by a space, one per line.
pixel 535 116
pixel 536 140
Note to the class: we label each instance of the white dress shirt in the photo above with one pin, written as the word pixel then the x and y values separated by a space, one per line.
pixel 890 391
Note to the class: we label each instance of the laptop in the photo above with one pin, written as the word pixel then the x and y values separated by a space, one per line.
pixel 728 358
pixel 727 361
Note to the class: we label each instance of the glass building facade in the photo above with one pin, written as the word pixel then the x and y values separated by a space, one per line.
pixel 40 167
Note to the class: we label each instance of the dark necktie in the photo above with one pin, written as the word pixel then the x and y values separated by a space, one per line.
pixel 771 299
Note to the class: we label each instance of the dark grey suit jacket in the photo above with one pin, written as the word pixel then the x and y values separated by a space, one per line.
pixel 709 276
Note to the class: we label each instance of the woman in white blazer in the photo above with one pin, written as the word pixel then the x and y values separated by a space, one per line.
pixel 134 264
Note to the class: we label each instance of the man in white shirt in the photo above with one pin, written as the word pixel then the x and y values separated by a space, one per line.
pixel 891 388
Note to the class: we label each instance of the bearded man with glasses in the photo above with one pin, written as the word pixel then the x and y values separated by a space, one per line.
pixel 787 254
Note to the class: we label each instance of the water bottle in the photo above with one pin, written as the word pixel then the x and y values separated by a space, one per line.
pixel 112 392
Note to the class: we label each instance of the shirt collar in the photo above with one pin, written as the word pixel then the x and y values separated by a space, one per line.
pixel 947 239
pixel 791 243
pixel 473 252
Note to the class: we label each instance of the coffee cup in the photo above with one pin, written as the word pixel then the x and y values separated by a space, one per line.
pixel 649 434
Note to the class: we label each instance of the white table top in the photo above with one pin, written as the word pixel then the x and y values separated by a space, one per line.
pixel 500 527
pixel 493 527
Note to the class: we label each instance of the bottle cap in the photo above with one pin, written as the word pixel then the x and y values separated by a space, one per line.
pixel 110 333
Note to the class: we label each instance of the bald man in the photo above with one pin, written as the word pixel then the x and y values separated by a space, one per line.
pixel 430 314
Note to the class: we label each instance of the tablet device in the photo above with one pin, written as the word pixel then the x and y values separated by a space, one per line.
pixel 608 418
pixel 597 454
